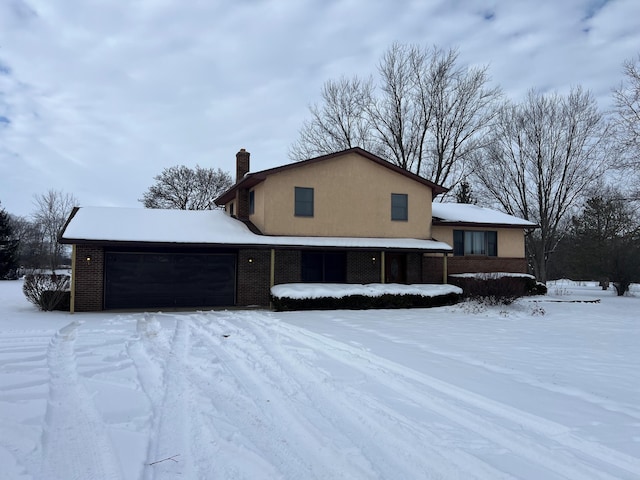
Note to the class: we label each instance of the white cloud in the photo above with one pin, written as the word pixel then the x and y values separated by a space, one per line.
pixel 100 96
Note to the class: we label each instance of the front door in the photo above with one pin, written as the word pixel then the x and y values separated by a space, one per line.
pixel 395 267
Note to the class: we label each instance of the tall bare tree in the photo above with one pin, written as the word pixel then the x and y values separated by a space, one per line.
pixel 542 156
pixel 51 212
pixel 427 113
pixel 627 118
pixel 339 122
pixel 184 188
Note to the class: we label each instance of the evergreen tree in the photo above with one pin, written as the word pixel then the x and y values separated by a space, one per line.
pixel 8 247
pixel 464 193
pixel 607 241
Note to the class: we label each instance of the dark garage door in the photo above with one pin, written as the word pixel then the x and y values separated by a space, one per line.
pixel 152 280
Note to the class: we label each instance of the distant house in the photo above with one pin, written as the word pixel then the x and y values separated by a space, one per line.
pixel 347 217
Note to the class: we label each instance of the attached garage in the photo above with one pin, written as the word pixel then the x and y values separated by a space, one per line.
pixel 168 279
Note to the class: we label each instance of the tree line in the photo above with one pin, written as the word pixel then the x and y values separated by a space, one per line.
pixel 31 243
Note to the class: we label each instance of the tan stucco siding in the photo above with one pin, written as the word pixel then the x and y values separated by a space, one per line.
pixel 352 197
pixel 510 240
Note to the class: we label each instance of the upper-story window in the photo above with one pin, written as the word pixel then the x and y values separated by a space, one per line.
pixel 252 202
pixel 303 202
pixel 471 242
pixel 399 206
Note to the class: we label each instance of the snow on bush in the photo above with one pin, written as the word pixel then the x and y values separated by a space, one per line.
pixel 323 296
pixel 340 290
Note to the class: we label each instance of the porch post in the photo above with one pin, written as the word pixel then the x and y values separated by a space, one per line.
pixel 272 268
pixel 382 266
pixel 72 301
pixel 444 269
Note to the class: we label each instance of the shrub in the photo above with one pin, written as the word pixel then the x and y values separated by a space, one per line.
pixel 362 302
pixel 48 291
pixel 538 289
pixel 622 287
pixel 496 288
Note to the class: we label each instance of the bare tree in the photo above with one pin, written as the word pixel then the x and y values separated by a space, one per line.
pixel 627 118
pixel 183 188
pixel 32 251
pixel 543 154
pixel 427 114
pixel 339 122
pixel 52 210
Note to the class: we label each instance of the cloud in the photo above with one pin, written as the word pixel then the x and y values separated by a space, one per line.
pixel 101 96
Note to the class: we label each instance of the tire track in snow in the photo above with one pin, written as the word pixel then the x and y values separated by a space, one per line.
pixel 416 453
pixel 171 423
pixel 75 441
pixel 462 406
pixel 516 375
pixel 206 451
pixel 271 420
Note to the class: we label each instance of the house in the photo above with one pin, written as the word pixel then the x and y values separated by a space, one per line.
pixel 347 217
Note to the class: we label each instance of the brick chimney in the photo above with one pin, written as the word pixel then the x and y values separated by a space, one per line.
pixel 242 164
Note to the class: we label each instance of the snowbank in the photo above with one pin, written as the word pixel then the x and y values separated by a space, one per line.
pixel 491 275
pixel 341 290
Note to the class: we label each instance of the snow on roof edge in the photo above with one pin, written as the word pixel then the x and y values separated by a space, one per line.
pixel 452 213
pixel 211 227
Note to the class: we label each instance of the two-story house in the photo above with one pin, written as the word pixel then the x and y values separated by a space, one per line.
pixel 347 217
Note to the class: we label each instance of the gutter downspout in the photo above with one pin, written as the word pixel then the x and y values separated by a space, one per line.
pixel 382 264
pixel 272 274
pixel 72 302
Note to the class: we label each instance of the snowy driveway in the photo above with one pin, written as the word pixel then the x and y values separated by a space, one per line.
pixel 530 391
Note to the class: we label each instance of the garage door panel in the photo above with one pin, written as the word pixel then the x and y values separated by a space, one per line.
pixel 145 280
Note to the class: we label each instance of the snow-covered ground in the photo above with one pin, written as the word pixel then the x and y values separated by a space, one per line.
pixel 545 388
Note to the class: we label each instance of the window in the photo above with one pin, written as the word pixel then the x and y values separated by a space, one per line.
pixel 472 242
pixel 252 202
pixel 304 202
pixel 231 209
pixel 324 267
pixel 399 204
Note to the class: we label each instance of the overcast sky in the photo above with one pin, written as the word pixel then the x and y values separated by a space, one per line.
pixel 98 96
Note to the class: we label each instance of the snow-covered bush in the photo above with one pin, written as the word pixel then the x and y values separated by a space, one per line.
pixel 360 297
pixel 497 288
pixel 48 291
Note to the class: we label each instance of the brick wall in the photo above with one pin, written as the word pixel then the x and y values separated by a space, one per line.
pixel 362 268
pixel 242 204
pixel 486 264
pixel 432 269
pixel 432 266
pixel 253 277
pixel 414 268
pixel 287 267
pixel 89 278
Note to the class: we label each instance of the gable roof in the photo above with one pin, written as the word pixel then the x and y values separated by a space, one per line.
pixel 252 179
pixel 204 228
pixel 464 214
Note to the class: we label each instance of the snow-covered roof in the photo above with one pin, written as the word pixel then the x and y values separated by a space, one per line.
pixel 467 213
pixel 111 224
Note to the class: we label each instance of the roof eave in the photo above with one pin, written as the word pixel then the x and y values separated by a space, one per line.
pixel 137 243
pixel 450 223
